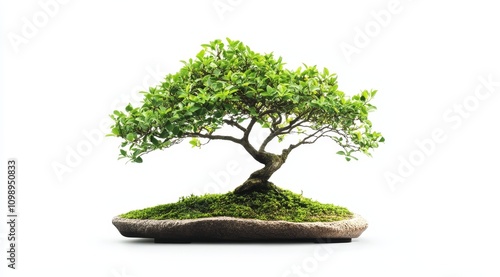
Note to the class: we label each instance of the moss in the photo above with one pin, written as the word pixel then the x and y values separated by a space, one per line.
pixel 277 204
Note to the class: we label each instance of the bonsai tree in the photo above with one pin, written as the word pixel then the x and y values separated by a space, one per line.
pixel 231 85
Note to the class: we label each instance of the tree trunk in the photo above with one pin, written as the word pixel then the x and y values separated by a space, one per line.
pixel 259 180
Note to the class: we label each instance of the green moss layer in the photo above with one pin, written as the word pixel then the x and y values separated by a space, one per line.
pixel 276 204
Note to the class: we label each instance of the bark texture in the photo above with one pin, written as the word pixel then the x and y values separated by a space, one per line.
pixel 259 180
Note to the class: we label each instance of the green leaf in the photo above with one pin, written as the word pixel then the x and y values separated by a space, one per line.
pixel 201 54
pixel 341 153
pixel 138 160
pixel 115 131
pixel 365 95
pixel 195 142
pixel 169 126
pixel 123 152
pixel 129 108
pixel 164 134
pixel 154 141
pixel 131 136
pixel 175 130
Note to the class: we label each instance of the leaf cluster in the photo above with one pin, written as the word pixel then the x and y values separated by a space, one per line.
pixel 229 84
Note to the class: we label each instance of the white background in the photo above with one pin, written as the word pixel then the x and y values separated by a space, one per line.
pixel 61 78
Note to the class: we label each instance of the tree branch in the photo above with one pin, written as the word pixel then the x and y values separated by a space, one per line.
pixel 249 128
pixel 234 124
pixel 244 141
pixel 276 121
pixel 281 131
pixel 215 137
pixel 314 135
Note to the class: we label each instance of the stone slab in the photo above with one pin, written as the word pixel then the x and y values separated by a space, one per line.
pixel 230 229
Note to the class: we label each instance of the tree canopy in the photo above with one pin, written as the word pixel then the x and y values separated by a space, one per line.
pixel 228 84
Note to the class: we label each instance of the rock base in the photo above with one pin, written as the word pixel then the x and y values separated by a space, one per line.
pixel 230 229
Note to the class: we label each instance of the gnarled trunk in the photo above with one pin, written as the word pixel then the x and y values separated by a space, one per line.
pixel 259 180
